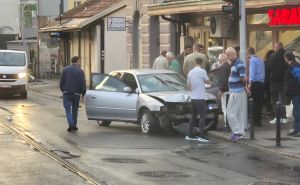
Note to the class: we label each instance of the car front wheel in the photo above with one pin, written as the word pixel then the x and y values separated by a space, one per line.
pixel 149 123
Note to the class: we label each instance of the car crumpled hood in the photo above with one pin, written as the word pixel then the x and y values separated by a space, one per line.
pixel 180 96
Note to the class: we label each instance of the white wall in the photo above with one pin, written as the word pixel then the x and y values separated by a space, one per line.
pixel 115 46
pixel 9 12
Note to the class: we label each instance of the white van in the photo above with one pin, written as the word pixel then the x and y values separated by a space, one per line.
pixel 13 72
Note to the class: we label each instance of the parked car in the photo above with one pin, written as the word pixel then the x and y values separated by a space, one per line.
pixel 155 99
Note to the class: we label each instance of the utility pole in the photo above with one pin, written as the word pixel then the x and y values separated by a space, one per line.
pixel 243 32
pixel 22 25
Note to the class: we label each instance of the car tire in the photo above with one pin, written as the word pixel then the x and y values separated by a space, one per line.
pixel 212 123
pixel 149 123
pixel 104 123
pixel 24 95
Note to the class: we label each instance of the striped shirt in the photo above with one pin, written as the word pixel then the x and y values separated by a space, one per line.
pixel 237 72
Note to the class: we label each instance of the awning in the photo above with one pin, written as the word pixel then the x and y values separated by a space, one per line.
pixel 71 24
pixel 63 25
pixel 204 6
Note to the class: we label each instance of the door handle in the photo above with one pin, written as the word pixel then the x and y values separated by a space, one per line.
pixel 93 97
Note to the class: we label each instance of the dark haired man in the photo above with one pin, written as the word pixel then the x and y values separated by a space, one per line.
pixel 256 84
pixel 72 85
pixel 196 79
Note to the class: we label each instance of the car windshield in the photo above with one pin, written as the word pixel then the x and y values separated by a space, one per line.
pixel 162 82
pixel 12 59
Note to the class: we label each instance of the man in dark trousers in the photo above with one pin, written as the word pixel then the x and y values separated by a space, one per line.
pixel 256 84
pixel 72 85
pixel 197 78
pixel 278 68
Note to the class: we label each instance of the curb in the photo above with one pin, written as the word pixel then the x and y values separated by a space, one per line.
pixel 253 145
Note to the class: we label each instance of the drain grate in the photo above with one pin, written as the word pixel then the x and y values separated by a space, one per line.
pixel 65 154
pixel 268 183
pixel 124 160
pixel 163 174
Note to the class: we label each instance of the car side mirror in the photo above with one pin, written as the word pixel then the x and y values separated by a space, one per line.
pixel 127 89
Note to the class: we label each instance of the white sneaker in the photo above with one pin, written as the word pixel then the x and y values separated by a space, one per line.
pixel 202 140
pixel 190 138
pixel 282 120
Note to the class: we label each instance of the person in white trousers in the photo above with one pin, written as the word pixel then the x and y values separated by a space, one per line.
pixel 237 103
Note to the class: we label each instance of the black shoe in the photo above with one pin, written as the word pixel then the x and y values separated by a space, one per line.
pixel 297 134
pixel 75 128
pixel 70 129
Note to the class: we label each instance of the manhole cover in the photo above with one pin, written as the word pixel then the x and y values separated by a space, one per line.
pixel 268 183
pixel 163 174
pixel 124 160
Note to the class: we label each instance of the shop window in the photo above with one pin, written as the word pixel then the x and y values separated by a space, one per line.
pixel 290 39
pixel 258 19
pixel 261 41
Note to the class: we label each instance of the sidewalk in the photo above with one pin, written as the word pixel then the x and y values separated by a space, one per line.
pixel 264 136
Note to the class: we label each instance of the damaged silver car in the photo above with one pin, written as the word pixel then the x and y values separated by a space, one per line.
pixel 155 99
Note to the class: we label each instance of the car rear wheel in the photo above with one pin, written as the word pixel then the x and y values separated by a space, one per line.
pixel 103 123
pixel 149 123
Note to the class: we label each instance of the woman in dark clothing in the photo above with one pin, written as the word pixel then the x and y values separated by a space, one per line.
pixel 267 97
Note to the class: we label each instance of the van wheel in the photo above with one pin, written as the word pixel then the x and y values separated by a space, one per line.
pixel 24 95
pixel 104 123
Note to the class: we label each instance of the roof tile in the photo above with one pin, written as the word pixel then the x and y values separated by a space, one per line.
pixel 90 8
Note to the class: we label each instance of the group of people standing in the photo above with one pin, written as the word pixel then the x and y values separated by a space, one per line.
pixel 277 78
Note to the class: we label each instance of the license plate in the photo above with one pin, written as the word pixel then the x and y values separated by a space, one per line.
pixel 5 85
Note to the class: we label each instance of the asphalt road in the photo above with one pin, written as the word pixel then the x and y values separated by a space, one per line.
pixel 120 154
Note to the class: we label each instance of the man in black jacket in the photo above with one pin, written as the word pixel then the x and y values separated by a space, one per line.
pixel 278 68
pixel 292 84
pixel 223 76
pixel 72 85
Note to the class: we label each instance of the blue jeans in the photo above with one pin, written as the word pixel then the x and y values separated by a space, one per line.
pixel 71 104
pixel 296 113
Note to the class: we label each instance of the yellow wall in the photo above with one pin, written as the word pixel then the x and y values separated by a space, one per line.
pixel 70 4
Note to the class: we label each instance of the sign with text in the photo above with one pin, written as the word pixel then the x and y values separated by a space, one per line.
pixel 116 24
pixel 284 16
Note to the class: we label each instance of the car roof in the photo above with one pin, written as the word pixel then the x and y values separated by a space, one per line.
pixel 144 71
pixel 12 51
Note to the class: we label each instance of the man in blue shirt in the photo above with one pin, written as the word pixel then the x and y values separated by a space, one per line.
pixel 72 85
pixel 256 84
pixel 237 103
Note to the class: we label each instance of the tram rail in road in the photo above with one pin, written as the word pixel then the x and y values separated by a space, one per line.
pixel 51 154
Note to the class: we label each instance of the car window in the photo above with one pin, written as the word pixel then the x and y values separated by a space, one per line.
pixel 161 82
pixel 129 80
pixel 97 78
pixel 112 84
pixel 117 75
pixel 213 78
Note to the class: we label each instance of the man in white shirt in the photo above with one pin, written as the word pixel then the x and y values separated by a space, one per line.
pixel 196 79
pixel 161 62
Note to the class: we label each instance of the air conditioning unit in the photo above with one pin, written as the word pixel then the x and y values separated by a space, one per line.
pixel 222 26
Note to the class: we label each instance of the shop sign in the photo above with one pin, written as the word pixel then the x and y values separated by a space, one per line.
pixel 116 24
pixel 284 16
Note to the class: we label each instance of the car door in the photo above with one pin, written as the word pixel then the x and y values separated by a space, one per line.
pixel 130 80
pixel 108 100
